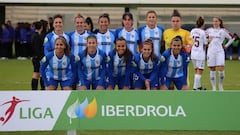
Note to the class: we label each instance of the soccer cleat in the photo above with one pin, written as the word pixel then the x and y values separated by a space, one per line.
pixel 200 88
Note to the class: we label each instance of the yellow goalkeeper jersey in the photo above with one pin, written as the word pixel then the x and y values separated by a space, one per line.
pixel 169 34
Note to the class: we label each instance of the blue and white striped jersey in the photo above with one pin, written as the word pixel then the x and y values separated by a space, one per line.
pixel 132 38
pixel 105 41
pixel 118 69
pixel 78 42
pixel 117 65
pixel 155 34
pixel 49 41
pixel 60 69
pixel 175 67
pixel 146 69
pixel 92 68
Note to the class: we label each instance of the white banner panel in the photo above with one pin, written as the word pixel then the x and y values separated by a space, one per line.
pixel 31 110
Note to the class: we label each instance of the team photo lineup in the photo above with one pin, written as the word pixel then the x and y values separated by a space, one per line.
pixel 150 57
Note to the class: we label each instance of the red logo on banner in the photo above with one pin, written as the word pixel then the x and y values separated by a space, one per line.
pixel 9 112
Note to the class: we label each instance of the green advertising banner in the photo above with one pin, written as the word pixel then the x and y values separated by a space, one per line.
pixel 150 110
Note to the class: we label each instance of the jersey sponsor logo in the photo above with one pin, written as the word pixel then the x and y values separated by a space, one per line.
pixel 43 59
pixel 105 43
pixel 77 58
pixel 155 38
pixel 82 44
pixel 45 40
pixel 162 59
pixel 59 69
pixel 134 64
pixel 108 59
pixel 131 42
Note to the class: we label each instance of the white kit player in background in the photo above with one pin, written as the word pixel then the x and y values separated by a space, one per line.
pixel 198 52
pixel 215 53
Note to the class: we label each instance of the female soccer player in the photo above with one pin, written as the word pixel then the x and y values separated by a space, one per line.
pixel 61 66
pixel 128 32
pixel 105 37
pixel 51 37
pixel 92 66
pixel 198 52
pixel 120 65
pixel 174 66
pixel 152 31
pixel 176 30
pixel 146 66
pixel 78 37
pixel 215 53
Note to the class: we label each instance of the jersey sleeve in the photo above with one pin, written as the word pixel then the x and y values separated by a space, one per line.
pixel 128 72
pixel 141 38
pixel 80 71
pixel 229 37
pixel 101 82
pixel 47 46
pixel 186 60
pixel 189 40
pixel 116 33
pixel 136 68
pixel 73 62
pixel 43 66
pixel 71 41
pixel 155 71
pixel 109 68
pixel 164 66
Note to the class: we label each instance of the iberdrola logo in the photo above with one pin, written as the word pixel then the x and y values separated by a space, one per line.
pixel 82 110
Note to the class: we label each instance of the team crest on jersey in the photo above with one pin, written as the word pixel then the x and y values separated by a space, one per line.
pixel 64 63
pixel 156 33
pixel 97 62
pixel 132 36
pixel 108 37
pixel 45 40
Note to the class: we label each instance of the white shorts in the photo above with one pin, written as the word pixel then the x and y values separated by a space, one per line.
pixel 198 64
pixel 216 59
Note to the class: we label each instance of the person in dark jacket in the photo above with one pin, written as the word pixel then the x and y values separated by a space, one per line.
pixel 37 51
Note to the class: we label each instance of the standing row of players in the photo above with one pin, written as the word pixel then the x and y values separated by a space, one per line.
pixel 171 66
